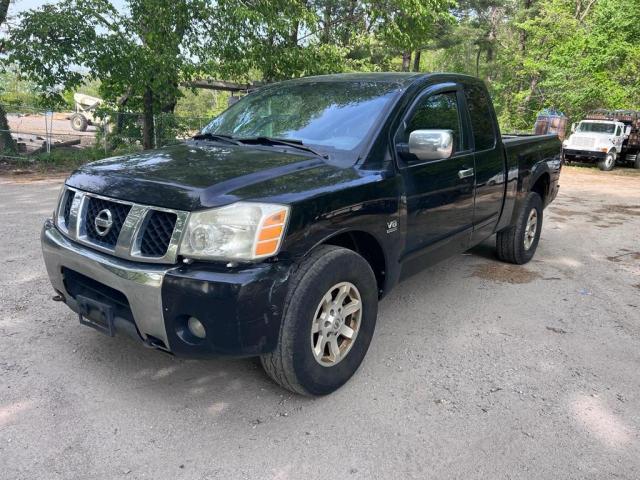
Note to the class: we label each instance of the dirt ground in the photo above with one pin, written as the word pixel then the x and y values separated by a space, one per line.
pixel 31 130
pixel 478 370
pixel 59 125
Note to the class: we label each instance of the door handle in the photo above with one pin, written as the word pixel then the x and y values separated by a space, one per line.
pixel 465 173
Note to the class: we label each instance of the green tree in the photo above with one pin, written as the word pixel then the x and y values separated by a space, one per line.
pixel 405 26
pixel 573 55
pixel 141 55
pixel 7 144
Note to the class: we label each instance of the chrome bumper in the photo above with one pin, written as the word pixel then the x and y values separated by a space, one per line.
pixel 140 283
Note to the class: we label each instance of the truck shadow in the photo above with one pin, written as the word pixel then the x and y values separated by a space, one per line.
pixel 224 385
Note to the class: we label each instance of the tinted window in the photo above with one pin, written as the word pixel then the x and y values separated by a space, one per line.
pixel 438 112
pixel 481 117
pixel 334 116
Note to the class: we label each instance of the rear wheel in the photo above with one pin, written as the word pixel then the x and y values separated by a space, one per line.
pixel 636 163
pixel 518 243
pixel 328 322
pixel 79 123
pixel 608 162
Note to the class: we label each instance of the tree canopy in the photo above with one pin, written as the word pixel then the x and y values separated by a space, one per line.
pixel 573 55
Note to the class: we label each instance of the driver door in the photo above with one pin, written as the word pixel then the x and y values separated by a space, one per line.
pixel 439 193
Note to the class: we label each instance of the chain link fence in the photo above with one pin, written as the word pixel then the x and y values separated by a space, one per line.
pixel 38 134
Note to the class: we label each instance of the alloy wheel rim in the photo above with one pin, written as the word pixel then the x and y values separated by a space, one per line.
pixel 336 324
pixel 531 229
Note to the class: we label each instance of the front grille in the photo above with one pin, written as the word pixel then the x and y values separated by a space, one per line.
pixel 119 212
pixel 140 232
pixel 66 211
pixel 583 141
pixel 157 233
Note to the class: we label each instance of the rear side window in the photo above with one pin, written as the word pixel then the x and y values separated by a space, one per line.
pixel 439 111
pixel 481 117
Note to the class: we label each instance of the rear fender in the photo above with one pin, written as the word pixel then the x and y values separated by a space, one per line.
pixel 529 175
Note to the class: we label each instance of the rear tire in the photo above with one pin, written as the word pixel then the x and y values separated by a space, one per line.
pixel 608 163
pixel 79 123
pixel 518 243
pixel 299 363
pixel 636 164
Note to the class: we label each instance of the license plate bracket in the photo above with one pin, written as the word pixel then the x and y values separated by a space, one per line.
pixel 95 314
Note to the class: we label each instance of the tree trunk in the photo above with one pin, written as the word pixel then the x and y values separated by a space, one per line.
pixel 491 41
pixel 406 61
pixel 293 36
pixel 416 61
pixel 147 121
pixel 7 143
pixel 525 106
pixel 523 35
pixel 326 24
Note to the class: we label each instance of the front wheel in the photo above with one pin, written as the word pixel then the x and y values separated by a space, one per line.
pixel 608 162
pixel 518 243
pixel 328 322
pixel 79 123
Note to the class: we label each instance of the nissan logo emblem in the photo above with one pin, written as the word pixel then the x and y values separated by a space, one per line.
pixel 103 222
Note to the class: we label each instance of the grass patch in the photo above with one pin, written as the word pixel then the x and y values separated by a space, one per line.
pixel 593 169
pixel 60 160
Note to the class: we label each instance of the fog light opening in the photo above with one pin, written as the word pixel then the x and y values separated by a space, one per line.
pixel 196 328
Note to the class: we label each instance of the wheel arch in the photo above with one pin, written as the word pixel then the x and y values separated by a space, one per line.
pixel 365 244
pixel 541 185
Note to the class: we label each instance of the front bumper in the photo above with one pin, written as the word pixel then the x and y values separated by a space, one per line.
pixel 584 154
pixel 241 308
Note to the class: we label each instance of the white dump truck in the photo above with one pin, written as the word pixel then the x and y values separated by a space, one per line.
pixel 605 137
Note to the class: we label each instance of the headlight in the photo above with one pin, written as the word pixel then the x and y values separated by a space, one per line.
pixel 241 231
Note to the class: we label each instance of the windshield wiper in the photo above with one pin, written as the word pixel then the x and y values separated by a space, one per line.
pixel 216 137
pixel 287 142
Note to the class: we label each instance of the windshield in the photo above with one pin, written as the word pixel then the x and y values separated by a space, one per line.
pixel 332 117
pixel 595 127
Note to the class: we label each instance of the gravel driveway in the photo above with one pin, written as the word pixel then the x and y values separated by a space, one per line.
pixel 477 370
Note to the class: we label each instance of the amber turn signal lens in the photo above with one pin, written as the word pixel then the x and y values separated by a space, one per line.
pixel 270 234
pixel 267 248
pixel 275 219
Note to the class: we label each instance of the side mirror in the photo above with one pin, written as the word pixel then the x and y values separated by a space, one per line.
pixel 431 144
pixel 573 128
pixel 627 131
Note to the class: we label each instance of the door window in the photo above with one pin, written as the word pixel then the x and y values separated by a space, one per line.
pixel 439 111
pixel 481 117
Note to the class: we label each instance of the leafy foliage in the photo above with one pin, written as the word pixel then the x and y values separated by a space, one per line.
pixel 573 55
pixel 7 144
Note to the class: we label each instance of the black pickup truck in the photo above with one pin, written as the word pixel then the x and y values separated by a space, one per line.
pixel 275 231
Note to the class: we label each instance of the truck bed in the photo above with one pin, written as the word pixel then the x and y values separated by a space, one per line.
pixel 512 139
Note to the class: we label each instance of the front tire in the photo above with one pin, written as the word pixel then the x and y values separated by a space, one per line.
pixel 328 322
pixel 518 243
pixel 79 123
pixel 608 162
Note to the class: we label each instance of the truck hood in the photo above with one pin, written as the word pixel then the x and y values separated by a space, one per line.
pixel 198 174
pixel 590 140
